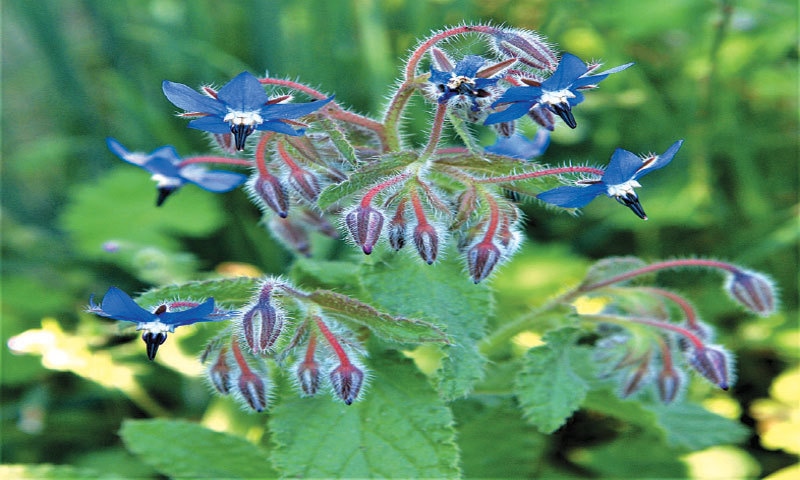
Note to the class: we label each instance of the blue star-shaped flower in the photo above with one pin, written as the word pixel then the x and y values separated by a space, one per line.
pixel 240 107
pixel 119 305
pixel 164 162
pixel 559 93
pixel 518 146
pixel 618 182
pixel 463 79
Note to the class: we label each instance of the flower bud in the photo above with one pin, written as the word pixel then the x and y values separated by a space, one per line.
pixel 318 223
pixel 305 183
pixel 346 380
pixel 427 242
pixel 291 234
pixel 308 377
pixel 637 377
pixel 753 290
pixel 266 189
pixel 253 390
pixel 397 228
pixel 669 383
pixel 543 117
pixel 225 142
pixel 365 224
pixel 481 260
pixel 262 323
pixel 527 47
pixel 219 372
pixel 712 363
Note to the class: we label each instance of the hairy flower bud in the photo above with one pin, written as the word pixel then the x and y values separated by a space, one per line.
pixel 427 242
pixel 253 389
pixel 308 377
pixel 262 322
pixel 397 228
pixel 543 117
pixel 481 260
pixel 365 224
pixel 753 290
pixel 266 189
pixel 637 377
pixel 305 183
pixel 669 383
pixel 219 372
pixel 346 380
pixel 527 47
pixel 712 363
pixel 291 234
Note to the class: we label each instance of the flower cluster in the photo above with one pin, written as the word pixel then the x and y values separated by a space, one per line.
pixel 311 165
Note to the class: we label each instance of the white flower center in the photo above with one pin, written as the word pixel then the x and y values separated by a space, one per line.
pixel 164 181
pixel 156 327
pixel 243 118
pixel 622 189
pixel 557 97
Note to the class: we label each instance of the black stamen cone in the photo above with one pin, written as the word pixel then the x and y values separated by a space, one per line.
pixel 153 341
pixel 631 201
pixel 240 134
pixel 564 111
pixel 163 193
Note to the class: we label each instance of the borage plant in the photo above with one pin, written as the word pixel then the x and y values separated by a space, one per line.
pixel 356 329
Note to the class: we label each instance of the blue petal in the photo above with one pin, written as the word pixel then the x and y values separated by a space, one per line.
pixel 569 69
pixel 517 146
pixel 189 316
pixel 572 197
pixel 513 112
pixel 161 161
pixel 578 98
pixel 280 127
pixel 190 100
pixel 662 161
pixel 210 124
pixel 469 66
pixel 587 80
pixel 216 181
pixel 622 167
pixel 279 111
pixel 120 306
pixel 519 94
pixel 244 93
pixel 439 77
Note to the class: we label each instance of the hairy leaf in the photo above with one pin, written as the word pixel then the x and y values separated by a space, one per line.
pixel 550 387
pixel 401 429
pixel 371 174
pixel 183 449
pixel 227 291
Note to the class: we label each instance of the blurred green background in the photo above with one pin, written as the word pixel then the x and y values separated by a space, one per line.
pixel 723 75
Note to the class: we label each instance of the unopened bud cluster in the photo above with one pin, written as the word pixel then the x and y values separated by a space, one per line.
pixel 314 350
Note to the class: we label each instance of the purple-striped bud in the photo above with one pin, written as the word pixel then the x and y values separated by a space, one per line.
pixel 225 142
pixel 253 390
pixel 427 242
pixel 262 322
pixel 712 363
pixel 669 383
pixel 346 380
pixel 268 190
pixel 753 290
pixel 219 372
pixel 305 183
pixel 308 377
pixel 505 129
pixel 481 260
pixel 527 47
pixel 397 228
pixel 365 224
pixel 318 222
pixel 291 234
pixel 637 377
pixel 543 117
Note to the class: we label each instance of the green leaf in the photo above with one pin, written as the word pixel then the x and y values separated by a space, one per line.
pixel 339 139
pixel 633 455
pixel 482 424
pixel 549 387
pixel 443 295
pixel 313 273
pixel 125 198
pixel 387 327
pixel 371 174
pixel 229 291
pixel 692 427
pixel 401 429
pixel 183 449
pixel 50 472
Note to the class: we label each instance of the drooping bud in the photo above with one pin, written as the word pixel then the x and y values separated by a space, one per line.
pixel 318 223
pixel 712 363
pixel 225 142
pixel 752 290
pixel 291 234
pixel 219 372
pixel 308 368
pixel 637 377
pixel 543 117
pixel 365 224
pixel 305 183
pixel 528 47
pixel 253 390
pixel 346 380
pixel 481 260
pixel 266 189
pixel 262 322
pixel 669 383
pixel 427 242
pixel 397 228
pixel 505 129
